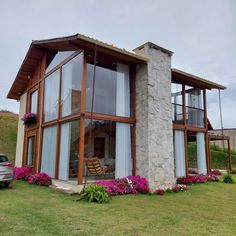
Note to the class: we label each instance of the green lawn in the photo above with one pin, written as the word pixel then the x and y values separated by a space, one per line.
pixel 207 209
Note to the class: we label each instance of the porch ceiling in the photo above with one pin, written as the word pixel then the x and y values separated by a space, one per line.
pixel 192 80
pixel 38 49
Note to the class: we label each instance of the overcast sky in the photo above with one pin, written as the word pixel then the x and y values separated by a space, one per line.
pixel 201 33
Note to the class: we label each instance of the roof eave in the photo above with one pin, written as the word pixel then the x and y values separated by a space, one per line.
pixel 209 84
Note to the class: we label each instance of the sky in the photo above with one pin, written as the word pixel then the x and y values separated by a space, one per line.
pixel 201 33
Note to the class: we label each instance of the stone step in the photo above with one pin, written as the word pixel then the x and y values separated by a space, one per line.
pixel 65 187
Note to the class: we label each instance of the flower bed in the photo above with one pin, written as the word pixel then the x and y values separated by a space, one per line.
pixel 128 185
pixel 40 178
pixel 175 189
pixel 215 172
pixel 25 173
pixel 194 179
pixel 22 172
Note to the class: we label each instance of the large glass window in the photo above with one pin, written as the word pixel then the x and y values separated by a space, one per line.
pixel 34 102
pixel 112 90
pixel 30 151
pixel 69 151
pixel 177 103
pixel 196 153
pixel 107 149
pixel 49 150
pixel 179 153
pixel 71 86
pixel 51 96
pixel 58 58
pixel 194 107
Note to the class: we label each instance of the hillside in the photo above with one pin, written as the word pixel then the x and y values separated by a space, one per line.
pixel 8 133
pixel 219 157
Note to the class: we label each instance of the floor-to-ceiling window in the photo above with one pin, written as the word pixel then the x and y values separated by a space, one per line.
pixel 197 163
pixel 189 124
pixel 69 151
pixel 83 124
pixel 108 139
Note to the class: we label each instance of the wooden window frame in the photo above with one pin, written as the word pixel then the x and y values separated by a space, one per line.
pixel 29 134
pixel 82 115
pixel 187 128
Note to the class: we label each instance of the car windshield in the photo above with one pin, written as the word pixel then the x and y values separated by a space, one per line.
pixel 3 159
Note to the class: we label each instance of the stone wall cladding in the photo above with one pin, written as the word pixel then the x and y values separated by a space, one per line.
pixel 154 135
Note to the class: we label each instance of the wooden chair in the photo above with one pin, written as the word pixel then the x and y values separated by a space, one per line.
pixel 95 168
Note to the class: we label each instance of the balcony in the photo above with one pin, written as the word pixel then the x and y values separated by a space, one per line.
pixel 194 116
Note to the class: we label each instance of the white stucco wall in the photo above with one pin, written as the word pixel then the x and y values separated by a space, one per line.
pixel 154 135
pixel 20 132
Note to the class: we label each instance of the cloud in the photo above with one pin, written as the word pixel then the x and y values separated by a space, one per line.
pixel 201 33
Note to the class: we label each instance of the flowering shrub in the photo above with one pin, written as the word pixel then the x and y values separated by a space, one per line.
pixel 175 189
pixel 25 173
pixel 183 187
pixel 192 179
pixel 201 178
pixel 215 172
pixel 22 172
pixel 212 177
pixel 130 184
pixel 39 178
pixel 29 118
pixel 160 191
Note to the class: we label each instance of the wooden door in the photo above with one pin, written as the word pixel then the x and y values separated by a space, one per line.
pixel 99 147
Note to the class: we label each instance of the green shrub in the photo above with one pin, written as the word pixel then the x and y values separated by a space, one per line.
pixel 95 193
pixel 227 178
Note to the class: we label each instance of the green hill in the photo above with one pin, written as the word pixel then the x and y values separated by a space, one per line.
pixel 8 133
pixel 219 157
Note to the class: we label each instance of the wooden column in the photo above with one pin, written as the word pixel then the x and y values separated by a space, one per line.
pixel 58 129
pixel 82 123
pixel 41 111
pixel 209 153
pixel 185 129
pixel 229 155
pixel 133 97
pixel 207 143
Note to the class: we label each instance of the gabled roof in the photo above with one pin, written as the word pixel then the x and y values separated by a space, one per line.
pixel 193 80
pixel 38 48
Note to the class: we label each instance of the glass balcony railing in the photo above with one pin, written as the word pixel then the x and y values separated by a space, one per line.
pixel 195 117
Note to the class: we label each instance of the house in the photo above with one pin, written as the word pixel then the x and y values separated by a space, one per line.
pixel 130 110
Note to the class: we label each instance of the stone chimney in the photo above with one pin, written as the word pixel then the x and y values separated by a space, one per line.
pixel 154 132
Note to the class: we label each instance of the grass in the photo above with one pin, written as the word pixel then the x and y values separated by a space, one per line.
pixel 207 209
pixel 8 133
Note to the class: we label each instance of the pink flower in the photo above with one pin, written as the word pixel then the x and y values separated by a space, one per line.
pixel 127 185
pixel 160 191
pixel 22 172
pixel 29 118
pixel 215 172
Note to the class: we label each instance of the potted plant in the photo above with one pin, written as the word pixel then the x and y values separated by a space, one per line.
pixel 29 118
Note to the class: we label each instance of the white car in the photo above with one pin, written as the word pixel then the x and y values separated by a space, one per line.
pixel 6 171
